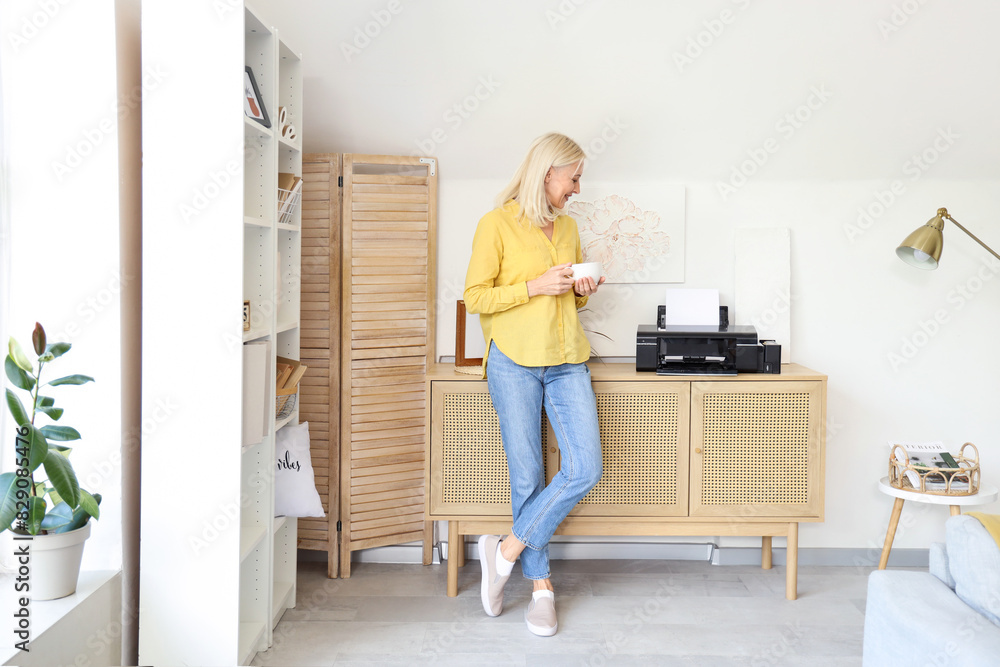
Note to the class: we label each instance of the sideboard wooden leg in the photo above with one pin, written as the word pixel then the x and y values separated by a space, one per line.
pixel 461 550
pixel 765 552
pixel 792 558
pixel 453 550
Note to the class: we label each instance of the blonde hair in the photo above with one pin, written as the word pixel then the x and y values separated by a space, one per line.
pixel 527 187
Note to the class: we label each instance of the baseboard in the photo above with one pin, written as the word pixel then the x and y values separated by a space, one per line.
pixel 822 556
pixel 597 550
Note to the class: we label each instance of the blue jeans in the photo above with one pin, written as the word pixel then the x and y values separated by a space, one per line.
pixel 518 394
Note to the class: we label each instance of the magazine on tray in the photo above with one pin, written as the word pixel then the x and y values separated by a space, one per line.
pixel 930 456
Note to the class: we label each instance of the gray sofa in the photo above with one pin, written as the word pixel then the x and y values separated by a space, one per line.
pixel 947 616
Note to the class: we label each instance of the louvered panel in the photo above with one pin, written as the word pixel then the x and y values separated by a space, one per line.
pixel 387 338
pixel 319 331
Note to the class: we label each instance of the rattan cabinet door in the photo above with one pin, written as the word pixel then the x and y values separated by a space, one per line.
pixel 644 443
pixel 757 449
pixel 467 466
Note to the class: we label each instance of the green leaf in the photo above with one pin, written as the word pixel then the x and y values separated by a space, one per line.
pixel 71 379
pixel 53 495
pixel 17 409
pixel 8 500
pixel 63 478
pixel 38 448
pixel 18 355
pixel 58 349
pixel 36 513
pixel 38 339
pixel 51 411
pixel 45 401
pixel 44 358
pixel 60 433
pixel 59 517
pixel 90 504
pixel 18 377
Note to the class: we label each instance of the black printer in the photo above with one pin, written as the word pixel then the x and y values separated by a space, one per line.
pixel 704 350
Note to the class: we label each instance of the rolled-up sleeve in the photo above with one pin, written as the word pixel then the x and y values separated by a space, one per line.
pixel 482 294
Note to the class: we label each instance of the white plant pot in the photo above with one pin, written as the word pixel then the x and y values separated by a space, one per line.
pixel 55 563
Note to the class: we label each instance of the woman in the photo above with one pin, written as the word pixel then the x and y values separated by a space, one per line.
pixel 520 281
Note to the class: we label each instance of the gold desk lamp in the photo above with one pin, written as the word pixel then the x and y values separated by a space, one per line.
pixel 922 248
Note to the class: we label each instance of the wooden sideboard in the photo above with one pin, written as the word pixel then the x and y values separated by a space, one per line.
pixel 683 456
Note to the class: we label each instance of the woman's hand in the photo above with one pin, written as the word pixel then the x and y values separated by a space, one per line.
pixel 586 286
pixel 557 280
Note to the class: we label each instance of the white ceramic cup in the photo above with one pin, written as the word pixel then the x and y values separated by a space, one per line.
pixel 587 270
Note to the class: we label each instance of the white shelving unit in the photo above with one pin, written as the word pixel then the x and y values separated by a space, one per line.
pixel 216 567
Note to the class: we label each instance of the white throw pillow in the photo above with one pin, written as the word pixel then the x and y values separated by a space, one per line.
pixel 294 482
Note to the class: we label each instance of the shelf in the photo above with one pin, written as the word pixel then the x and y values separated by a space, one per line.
pixel 255 334
pixel 250 635
pixel 284 422
pixel 251 537
pixel 291 145
pixel 280 600
pixel 288 227
pixel 255 127
pixel 287 326
pixel 256 222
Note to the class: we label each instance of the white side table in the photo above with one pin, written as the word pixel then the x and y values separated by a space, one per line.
pixel 987 494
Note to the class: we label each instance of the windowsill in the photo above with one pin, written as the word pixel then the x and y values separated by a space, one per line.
pixel 44 615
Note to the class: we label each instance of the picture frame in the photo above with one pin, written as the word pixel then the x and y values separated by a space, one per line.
pixel 246 316
pixel 253 105
pixel 461 317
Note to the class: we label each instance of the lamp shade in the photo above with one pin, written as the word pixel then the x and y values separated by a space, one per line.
pixel 922 248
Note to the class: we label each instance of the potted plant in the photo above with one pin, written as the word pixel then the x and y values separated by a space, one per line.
pixel 51 508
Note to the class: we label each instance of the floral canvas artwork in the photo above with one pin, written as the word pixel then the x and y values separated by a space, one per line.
pixel 636 232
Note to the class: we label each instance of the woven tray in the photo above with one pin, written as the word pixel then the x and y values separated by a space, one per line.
pixel 967 471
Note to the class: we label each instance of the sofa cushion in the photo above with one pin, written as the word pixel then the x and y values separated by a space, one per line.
pixel 913 620
pixel 974 561
pixel 938 564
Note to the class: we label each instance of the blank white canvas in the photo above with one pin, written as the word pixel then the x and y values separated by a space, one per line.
pixel 763 285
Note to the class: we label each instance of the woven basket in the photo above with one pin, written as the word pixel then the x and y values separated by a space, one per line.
pixel 284 405
pixel 969 472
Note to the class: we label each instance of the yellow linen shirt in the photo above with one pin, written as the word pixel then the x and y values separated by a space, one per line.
pixel 506 253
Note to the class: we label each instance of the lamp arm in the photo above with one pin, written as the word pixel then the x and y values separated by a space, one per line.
pixel 973 236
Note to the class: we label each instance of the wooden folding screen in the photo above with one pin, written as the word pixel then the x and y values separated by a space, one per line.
pixel 389 247
pixel 319 394
pixel 382 237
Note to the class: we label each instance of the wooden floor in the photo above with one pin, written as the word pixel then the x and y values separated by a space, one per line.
pixel 611 612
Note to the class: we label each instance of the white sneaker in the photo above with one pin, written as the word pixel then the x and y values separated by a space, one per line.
pixel 491 589
pixel 541 614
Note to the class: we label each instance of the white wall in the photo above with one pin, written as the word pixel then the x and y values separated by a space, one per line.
pixel 62 114
pixel 902 121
